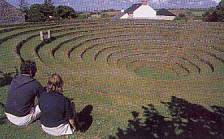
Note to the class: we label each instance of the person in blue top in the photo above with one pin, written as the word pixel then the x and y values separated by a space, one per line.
pixel 20 106
pixel 57 112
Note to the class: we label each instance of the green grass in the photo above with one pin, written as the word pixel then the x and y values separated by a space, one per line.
pixel 3 92
pixel 113 88
pixel 197 13
pixel 155 75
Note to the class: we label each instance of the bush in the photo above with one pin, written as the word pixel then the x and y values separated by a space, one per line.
pixel 210 16
pixel 215 15
pixel 104 15
pixel 83 16
pixel 46 11
pixel 34 13
pixel 181 16
pixel 65 12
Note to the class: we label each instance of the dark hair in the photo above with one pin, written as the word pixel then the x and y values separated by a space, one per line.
pixel 28 67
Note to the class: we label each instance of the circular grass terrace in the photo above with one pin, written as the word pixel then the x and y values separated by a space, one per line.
pixel 119 66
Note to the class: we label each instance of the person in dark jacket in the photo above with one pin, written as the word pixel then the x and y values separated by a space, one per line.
pixel 57 112
pixel 20 105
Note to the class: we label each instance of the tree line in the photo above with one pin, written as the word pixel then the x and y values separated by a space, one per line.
pixel 47 11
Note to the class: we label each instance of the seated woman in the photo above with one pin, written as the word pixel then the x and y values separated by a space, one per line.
pixel 57 113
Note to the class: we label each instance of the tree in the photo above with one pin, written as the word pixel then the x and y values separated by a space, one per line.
pixel 34 13
pixel 24 6
pixel 215 15
pixel 65 12
pixel 220 11
pixel 210 16
pixel 40 12
pixel 49 2
pixel 47 9
pixel 221 4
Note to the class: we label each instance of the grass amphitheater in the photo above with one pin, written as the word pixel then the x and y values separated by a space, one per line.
pixel 120 67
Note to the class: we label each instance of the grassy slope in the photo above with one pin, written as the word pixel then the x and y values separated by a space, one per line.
pixel 113 95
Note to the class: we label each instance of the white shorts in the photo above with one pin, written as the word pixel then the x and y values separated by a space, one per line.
pixel 63 129
pixel 25 120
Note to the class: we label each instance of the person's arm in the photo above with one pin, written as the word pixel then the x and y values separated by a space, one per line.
pixel 75 117
pixel 72 123
pixel 69 113
pixel 39 89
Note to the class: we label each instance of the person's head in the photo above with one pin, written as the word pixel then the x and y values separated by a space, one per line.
pixel 28 67
pixel 55 83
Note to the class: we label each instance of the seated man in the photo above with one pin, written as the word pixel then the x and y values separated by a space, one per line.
pixel 20 108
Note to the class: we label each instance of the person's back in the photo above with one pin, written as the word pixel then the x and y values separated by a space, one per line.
pixel 55 109
pixel 57 113
pixel 23 90
pixel 21 96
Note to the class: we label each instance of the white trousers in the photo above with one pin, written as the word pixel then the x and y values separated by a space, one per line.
pixel 63 129
pixel 25 120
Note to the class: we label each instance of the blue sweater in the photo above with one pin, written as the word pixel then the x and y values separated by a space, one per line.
pixel 21 95
pixel 55 109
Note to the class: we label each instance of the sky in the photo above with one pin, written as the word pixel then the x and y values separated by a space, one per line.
pixel 91 5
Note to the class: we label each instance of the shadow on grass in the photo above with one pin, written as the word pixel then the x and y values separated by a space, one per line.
pixel 5 78
pixel 186 120
pixel 85 118
pixel 2 105
pixel 3 119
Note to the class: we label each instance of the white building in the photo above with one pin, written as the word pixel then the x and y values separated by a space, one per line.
pixel 144 11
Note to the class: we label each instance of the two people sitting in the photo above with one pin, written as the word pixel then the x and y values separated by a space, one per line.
pixel 56 112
